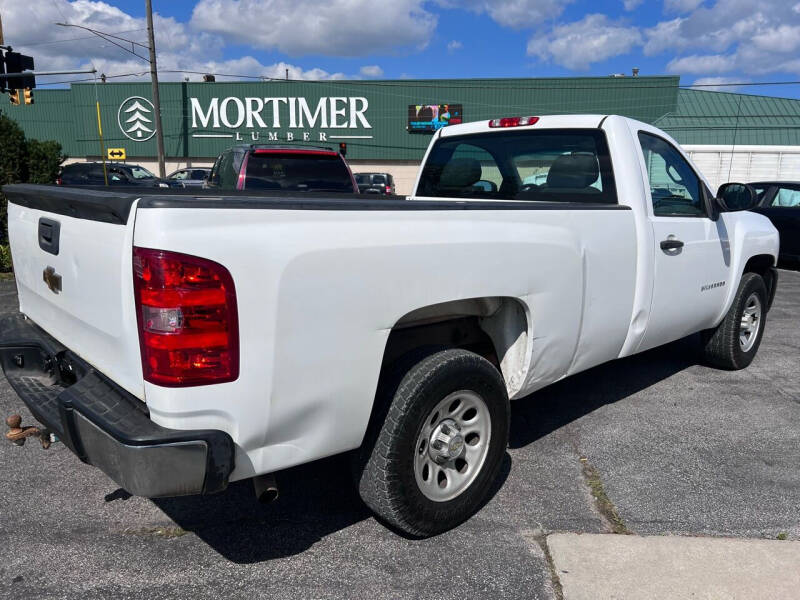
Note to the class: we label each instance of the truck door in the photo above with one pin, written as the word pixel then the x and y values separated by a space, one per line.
pixel 691 254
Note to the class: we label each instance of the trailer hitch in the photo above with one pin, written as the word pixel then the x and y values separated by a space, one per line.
pixel 17 434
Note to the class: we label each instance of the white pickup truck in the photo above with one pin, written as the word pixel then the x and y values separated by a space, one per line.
pixel 180 340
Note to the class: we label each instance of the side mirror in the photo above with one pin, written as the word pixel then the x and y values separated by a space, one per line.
pixel 736 196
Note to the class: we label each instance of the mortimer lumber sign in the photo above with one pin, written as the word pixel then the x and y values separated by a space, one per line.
pixel 269 116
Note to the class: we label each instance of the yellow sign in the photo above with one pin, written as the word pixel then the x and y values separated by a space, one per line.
pixel 116 154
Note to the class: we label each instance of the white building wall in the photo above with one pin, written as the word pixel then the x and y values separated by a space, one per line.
pixel 721 164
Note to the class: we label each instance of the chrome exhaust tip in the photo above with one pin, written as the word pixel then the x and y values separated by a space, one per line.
pixel 266 488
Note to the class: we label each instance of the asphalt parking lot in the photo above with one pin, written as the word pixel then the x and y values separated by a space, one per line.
pixel 670 446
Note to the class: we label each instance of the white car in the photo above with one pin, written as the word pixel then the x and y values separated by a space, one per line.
pixel 181 342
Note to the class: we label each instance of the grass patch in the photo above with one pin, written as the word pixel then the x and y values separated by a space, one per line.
pixel 603 502
pixel 782 536
pixel 6 276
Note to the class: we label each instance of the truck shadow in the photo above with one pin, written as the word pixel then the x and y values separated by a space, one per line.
pixel 315 501
pixel 561 403
pixel 319 499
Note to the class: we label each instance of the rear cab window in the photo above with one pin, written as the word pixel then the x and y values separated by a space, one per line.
pixel 548 165
pixel 292 171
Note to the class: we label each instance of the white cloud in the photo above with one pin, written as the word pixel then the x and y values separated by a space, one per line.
pixel 663 36
pixel 454 45
pixel 631 4
pixel 371 71
pixel 681 6
pixel 517 14
pixel 717 84
pixel 784 38
pixel 577 45
pixel 708 63
pixel 30 27
pixel 729 36
pixel 332 28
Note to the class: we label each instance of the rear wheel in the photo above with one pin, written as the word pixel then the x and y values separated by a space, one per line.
pixel 436 455
pixel 734 342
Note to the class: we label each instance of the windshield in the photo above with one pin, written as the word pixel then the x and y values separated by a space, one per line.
pixel 141 173
pixel 298 172
pixel 361 179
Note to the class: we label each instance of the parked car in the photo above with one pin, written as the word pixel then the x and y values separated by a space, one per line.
pixel 780 202
pixel 218 338
pixel 190 176
pixel 91 173
pixel 375 183
pixel 282 168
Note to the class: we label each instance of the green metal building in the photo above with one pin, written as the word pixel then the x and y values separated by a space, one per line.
pixel 387 124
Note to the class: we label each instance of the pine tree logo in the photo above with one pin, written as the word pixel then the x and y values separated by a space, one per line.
pixel 135 118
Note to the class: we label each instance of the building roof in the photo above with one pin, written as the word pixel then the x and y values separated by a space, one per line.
pixel 704 117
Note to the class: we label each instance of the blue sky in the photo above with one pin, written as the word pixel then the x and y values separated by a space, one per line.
pixel 706 42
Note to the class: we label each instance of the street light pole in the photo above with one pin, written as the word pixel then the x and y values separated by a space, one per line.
pixel 154 78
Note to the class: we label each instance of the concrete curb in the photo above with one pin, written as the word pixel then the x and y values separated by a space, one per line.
pixel 624 567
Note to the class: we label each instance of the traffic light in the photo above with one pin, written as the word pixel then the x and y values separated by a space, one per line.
pixel 13 97
pixel 14 62
pixel 28 94
pixel 342 148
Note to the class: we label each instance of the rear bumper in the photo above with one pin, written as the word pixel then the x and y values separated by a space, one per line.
pixel 104 425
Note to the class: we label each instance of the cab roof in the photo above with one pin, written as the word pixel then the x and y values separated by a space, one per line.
pixel 544 122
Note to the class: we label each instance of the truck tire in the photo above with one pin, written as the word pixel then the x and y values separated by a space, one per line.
pixel 433 460
pixel 733 343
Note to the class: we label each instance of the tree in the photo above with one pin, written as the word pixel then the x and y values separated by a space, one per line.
pixel 13 163
pixel 22 161
pixel 44 161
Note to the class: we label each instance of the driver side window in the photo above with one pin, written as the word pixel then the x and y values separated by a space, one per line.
pixel 674 186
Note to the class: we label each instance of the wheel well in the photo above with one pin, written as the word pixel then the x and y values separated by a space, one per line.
pixel 763 264
pixel 493 327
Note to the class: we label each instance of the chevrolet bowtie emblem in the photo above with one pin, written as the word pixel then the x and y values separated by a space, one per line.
pixel 52 279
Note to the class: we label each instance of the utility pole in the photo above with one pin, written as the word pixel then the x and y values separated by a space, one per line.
pixel 154 78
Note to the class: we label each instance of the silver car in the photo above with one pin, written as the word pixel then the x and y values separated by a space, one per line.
pixel 191 176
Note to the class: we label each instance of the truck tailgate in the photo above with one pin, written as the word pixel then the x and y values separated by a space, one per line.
pixel 72 260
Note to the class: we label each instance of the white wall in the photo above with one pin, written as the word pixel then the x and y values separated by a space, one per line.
pixel 746 163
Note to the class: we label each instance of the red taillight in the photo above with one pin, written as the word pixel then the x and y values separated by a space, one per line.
pixel 388 189
pixel 59 181
pixel 513 121
pixel 188 323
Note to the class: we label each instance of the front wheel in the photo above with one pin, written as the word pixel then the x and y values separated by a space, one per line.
pixel 734 342
pixel 440 448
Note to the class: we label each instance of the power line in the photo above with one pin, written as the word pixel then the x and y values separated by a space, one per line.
pixel 83 37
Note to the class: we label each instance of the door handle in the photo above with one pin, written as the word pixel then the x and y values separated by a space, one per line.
pixel 671 244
